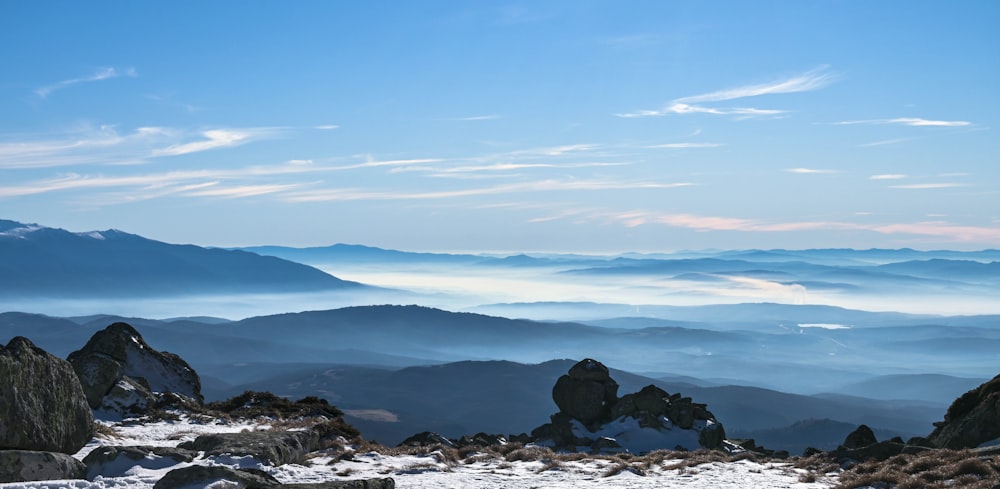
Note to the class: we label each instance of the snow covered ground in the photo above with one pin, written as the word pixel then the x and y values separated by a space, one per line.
pixel 427 471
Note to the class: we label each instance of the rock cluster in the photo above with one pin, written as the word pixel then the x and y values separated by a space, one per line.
pixel 123 375
pixel 587 398
pixel 44 415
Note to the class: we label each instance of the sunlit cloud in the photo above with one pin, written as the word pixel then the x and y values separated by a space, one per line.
pixel 811 171
pixel 907 121
pixel 327 127
pixel 99 75
pixel 805 82
pixel 888 176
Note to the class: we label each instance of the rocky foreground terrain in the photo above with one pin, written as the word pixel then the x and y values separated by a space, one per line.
pixel 118 413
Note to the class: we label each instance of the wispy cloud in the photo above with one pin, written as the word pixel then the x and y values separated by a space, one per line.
pixel 242 191
pixel 216 138
pixel 685 145
pixel 487 117
pixel 888 176
pixel 329 195
pixel 938 229
pixel 810 171
pixel 99 75
pixel 883 142
pixel 907 121
pixel 805 82
pixel 105 145
pixel 929 186
pixel 327 127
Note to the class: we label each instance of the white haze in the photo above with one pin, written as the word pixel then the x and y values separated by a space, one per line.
pixel 457 288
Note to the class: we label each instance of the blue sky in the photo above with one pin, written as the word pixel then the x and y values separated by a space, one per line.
pixel 503 126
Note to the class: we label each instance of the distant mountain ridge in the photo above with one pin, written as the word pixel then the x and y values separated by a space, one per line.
pixel 38 261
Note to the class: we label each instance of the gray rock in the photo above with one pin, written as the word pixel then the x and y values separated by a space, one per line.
pixel 28 465
pixel 202 476
pixel 274 447
pixel 861 437
pixel 352 484
pixel 111 461
pixel 42 405
pixel 117 352
pixel 128 396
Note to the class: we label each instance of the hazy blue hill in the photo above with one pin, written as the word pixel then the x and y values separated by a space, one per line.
pixel 506 397
pixel 824 434
pixel 359 254
pixel 967 270
pixel 51 262
pixel 718 316
pixel 930 387
pixel 58 336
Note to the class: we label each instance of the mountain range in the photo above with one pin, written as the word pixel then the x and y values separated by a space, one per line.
pixel 41 261
pixel 481 352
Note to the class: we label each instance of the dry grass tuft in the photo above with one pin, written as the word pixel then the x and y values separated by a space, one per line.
pixel 106 431
pixel 530 454
pixel 933 469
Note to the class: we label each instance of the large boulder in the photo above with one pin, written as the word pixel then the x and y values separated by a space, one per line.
pixel 42 406
pixel 28 465
pixel 586 392
pixel 973 419
pixel 120 373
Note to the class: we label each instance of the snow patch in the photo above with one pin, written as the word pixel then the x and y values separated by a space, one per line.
pixel 636 439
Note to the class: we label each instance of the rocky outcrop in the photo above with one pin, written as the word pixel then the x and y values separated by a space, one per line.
pixel 592 418
pixel 973 419
pixel 273 447
pixel 122 374
pixel 42 406
pixel 28 465
pixel 111 461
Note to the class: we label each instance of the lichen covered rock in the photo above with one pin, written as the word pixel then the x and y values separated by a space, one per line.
pixel 28 465
pixel 42 405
